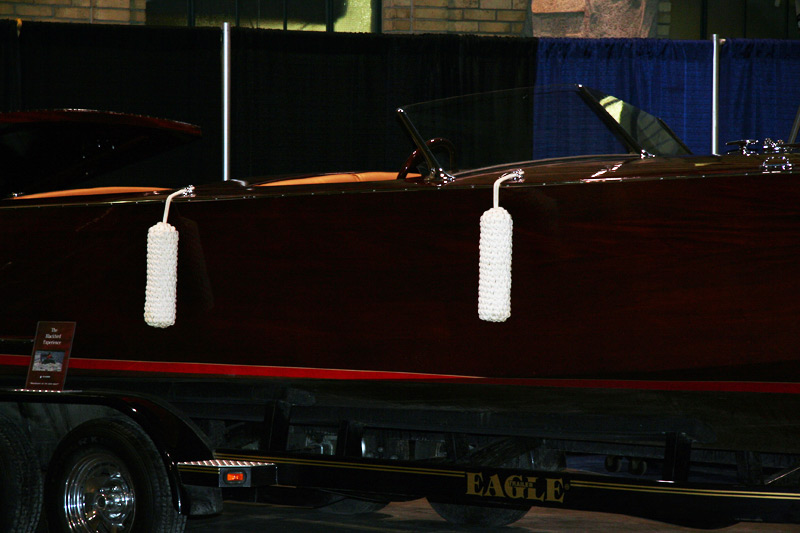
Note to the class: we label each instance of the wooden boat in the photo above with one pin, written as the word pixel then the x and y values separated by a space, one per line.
pixel 654 291
pixel 673 268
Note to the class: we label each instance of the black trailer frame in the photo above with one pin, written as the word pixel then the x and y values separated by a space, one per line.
pixel 755 487
pixel 666 500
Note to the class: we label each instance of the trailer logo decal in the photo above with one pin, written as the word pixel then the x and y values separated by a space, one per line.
pixel 516 487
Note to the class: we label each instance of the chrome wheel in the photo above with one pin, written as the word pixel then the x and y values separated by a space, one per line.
pixel 99 495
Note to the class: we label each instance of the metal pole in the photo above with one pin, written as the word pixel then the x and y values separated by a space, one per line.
pixel 795 128
pixel 226 97
pixel 715 98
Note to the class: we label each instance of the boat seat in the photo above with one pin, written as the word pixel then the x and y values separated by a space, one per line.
pixel 91 192
pixel 353 177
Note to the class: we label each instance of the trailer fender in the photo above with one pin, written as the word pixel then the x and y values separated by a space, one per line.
pixel 175 436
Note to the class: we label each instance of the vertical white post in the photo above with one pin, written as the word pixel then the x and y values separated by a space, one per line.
pixel 715 97
pixel 226 98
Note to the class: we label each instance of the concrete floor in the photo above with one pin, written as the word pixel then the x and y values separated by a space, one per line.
pixel 417 516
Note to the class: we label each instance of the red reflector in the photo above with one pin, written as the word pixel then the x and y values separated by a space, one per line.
pixel 232 477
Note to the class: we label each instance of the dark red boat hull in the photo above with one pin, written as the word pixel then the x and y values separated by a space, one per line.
pixel 675 280
pixel 677 292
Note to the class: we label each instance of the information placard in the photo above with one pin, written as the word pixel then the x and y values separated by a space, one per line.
pixel 50 358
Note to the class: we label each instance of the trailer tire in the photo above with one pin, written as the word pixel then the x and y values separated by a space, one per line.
pixel 21 481
pixel 108 475
pixel 485 515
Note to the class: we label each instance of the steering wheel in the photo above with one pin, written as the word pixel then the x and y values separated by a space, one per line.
pixel 417 157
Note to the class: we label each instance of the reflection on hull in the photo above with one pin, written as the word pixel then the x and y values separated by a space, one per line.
pixel 648 280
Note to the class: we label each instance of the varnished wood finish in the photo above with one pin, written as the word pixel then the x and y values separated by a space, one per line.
pixel 637 277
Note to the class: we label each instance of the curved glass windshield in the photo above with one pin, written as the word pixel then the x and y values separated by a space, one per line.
pixel 540 123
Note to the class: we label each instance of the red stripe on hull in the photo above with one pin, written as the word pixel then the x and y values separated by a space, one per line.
pixel 158 367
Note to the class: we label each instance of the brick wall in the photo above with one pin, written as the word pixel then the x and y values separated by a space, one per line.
pixel 489 17
pixel 479 17
pixel 90 11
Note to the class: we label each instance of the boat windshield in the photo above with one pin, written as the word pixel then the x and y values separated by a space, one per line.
pixel 534 123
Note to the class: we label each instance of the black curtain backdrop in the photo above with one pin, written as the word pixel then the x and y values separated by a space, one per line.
pixel 9 65
pixel 301 101
pixel 164 72
pixel 320 102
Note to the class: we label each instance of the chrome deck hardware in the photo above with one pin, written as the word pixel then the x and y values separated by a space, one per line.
pixel 753 146
pixel 777 163
pixel 743 146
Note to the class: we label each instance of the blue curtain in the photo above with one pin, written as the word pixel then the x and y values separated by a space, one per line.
pixel 759 89
pixel 670 79
pixel 759 82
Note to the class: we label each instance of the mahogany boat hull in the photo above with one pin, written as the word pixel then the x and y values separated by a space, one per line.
pixel 671 280
pixel 639 306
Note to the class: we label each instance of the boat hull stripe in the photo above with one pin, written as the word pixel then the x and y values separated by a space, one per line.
pixel 213 369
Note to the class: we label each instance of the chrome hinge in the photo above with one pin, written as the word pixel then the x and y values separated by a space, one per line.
pixel 776 163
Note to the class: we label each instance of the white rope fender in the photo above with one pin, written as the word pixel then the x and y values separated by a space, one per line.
pixel 494 273
pixel 160 301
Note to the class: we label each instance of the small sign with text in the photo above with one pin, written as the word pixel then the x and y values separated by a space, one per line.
pixel 48 368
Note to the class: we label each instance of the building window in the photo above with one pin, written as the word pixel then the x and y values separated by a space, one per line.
pixel 301 15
